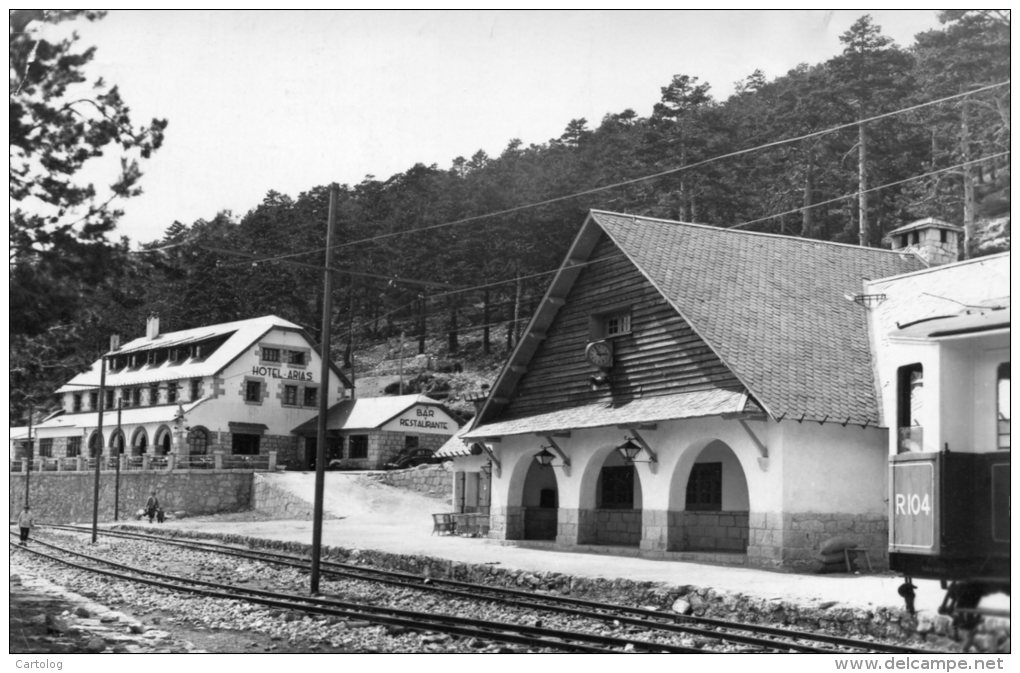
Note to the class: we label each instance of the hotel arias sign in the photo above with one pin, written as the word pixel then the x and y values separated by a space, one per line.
pixel 422 419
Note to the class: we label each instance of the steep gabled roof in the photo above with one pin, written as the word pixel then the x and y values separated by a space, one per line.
pixel 367 413
pixel 777 310
pixel 239 334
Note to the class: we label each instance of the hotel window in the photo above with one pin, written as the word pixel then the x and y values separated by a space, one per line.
pixel 198 442
pixel 73 447
pixel 171 392
pixel 136 397
pixel 94 401
pixel 253 391
pixel 110 404
pixel 617 487
pixel 244 445
pixel 910 408
pixel 1002 403
pixel 154 394
pixel 76 402
pixel 196 389
pixel 704 488
pixel 358 446
pixel 46 447
pixel 296 358
pixel 290 395
pixel 270 354
pixel 311 397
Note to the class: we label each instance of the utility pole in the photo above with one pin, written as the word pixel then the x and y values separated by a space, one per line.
pixel 320 442
pixel 120 452
pixel 99 448
pixel 28 469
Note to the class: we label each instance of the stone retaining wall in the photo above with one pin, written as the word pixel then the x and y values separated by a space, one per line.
pixel 889 624
pixel 432 480
pixel 277 502
pixel 61 497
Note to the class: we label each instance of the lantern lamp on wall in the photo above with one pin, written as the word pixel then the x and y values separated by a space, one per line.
pixel 630 449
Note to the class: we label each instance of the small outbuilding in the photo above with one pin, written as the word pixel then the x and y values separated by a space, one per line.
pixel 370 433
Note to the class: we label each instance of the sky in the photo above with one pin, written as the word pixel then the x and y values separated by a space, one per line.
pixel 288 100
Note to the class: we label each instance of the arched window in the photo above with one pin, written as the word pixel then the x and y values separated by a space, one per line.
pixel 117 443
pixel 95 444
pixel 139 443
pixel 198 442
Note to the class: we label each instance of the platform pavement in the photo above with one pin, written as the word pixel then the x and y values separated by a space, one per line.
pixel 372 516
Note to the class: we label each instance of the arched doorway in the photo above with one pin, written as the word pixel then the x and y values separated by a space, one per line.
pixel 713 500
pixel 618 503
pixel 163 442
pixel 95 444
pixel 540 501
pixel 117 443
pixel 139 442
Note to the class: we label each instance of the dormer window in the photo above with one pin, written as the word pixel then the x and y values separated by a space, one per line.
pixel 270 354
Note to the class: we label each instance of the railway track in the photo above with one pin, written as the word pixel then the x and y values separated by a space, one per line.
pixel 708 631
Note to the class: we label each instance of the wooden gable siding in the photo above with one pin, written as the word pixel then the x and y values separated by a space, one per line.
pixel 661 356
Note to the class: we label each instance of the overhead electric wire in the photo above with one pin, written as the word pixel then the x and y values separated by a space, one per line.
pixel 870 189
pixel 652 176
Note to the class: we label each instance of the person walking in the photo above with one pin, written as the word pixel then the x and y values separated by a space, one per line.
pixel 151 505
pixel 25 523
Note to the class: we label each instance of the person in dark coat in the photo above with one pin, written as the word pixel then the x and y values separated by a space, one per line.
pixel 25 523
pixel 151 506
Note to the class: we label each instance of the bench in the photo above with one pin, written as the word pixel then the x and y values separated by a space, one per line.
pixel 850 554
pixel 443 524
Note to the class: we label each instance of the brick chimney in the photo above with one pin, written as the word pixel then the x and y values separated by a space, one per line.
pixel 114 342
pixel 935 241
pixel 152 327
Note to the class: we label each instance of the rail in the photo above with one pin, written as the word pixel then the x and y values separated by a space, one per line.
pixel 148 462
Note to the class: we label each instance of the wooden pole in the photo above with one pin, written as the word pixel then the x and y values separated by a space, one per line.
pixel 28 470
pixel 320 445
pixel 99 449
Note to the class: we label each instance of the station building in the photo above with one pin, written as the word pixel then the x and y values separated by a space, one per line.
pixel 236 388
pixel 686 391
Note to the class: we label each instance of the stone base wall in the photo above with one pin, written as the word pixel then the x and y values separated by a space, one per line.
pixel 540 523
pixel 277 502
pixel 62 497
pixel 621 527
pixel 432 480
pixel 793 540
pixel 287 448
pixel 709 531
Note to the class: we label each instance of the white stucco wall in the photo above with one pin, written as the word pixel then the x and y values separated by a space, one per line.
pixel 810 468
pixel 832 469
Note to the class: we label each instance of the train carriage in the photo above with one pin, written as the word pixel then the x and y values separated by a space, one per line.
pixel 948 410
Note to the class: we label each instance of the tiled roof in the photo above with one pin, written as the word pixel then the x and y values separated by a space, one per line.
pixel 455 446
pixel 642 410
pixel 777 310
pixel 366 413
pixel 164 413
pixel 242 334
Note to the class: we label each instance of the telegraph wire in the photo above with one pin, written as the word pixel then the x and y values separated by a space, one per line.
pixel 870 189
pixel 653 176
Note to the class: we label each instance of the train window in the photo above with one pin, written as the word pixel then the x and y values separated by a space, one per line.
pixel 1003 407
pixel 910 407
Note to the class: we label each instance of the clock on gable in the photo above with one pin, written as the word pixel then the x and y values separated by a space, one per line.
pixel 599 354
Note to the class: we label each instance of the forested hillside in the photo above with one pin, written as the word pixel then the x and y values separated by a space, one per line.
pixel 845 150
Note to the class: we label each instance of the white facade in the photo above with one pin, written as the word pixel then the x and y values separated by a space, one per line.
pixel 236 387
